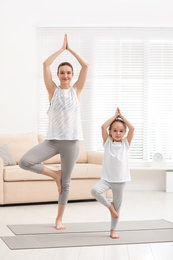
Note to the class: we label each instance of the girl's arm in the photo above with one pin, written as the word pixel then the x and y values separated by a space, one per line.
pixel 79 84
pixel 129 125
pixel 106 124
pixel 50 85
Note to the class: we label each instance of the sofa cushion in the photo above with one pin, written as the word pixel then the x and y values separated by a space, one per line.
pixel 56 159
pixel 19 143
pixel 86 171
pixel 15 173
pixel 81 171
pixel 82 154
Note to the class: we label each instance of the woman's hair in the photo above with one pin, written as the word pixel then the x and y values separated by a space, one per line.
pixel 117 120
pixel 63 64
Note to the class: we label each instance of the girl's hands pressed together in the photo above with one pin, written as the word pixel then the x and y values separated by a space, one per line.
pixel 116 113
pixel 119 113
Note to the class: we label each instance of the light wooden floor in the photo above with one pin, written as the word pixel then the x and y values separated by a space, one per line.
pixel 136 206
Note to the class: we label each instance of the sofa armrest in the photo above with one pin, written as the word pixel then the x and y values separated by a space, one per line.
pixel 95 157
pixel 1 180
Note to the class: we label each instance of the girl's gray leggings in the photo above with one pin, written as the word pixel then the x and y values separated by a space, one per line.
pixel 117 190
pixel 69 152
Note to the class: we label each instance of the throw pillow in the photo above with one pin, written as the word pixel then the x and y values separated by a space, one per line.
pixel 6 155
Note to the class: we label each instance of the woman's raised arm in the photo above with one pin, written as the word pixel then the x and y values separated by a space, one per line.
pixel 49 83
pixel 79 84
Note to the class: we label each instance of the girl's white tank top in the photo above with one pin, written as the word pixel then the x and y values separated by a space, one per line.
pixel 64 116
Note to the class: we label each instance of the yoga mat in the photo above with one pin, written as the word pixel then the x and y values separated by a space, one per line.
pixel 89 227
pixel 88 239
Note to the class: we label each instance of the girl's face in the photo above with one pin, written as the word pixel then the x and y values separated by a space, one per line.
pixel 65 75
pixel 117 131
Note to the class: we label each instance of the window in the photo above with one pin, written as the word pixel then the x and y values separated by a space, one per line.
pixel 129 67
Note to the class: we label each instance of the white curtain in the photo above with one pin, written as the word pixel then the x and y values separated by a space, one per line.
pixel 129 67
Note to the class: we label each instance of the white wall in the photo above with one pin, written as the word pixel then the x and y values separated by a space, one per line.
pixel 18 44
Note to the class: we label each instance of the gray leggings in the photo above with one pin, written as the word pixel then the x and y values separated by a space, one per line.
pixel 69 152
pixel 117 190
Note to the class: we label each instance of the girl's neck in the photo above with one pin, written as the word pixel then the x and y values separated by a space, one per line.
pixel 118 141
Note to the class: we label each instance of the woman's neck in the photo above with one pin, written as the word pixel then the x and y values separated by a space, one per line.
pixel 64 86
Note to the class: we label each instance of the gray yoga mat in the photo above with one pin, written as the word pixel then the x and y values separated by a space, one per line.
pixel 88 239
pixel 89 227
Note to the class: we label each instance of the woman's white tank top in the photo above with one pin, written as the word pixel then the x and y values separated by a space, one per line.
pixel 64 116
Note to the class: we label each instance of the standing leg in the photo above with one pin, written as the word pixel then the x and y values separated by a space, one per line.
pixel 69 151
pixel 117 190
pixel 97 191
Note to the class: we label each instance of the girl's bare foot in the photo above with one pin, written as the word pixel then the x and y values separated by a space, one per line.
pixel 113 234
pixel 113 211
pixel 58 180
pixel 59 224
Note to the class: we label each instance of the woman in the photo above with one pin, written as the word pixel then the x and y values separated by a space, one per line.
pixel 64 129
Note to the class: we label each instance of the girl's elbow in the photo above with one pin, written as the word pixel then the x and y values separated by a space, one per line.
pixel 132 127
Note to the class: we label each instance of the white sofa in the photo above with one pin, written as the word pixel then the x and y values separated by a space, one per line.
pixel 21 186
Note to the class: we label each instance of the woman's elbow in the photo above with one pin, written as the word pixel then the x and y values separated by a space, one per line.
pixel 86 65
pixel 132 128
pixel 45 64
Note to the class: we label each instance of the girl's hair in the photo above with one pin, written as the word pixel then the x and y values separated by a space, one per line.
pixel 117 120
pixel 63 64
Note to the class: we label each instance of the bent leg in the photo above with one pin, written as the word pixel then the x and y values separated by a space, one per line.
pixel 97 191
pixel 31 160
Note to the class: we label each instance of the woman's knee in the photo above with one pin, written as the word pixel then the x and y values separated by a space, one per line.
pixel 63 196
pixel 23 163
pixel 65 187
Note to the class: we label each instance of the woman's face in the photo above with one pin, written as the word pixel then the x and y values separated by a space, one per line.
pixel 65 74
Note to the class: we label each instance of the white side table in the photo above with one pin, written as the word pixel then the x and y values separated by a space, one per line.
pixel 169 181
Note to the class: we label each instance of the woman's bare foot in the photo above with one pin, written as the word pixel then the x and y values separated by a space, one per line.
pixel 58 180
pixel 113 211
pixel 113 234
pixel 59 224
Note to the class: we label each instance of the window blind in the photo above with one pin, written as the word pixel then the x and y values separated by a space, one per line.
pixel 129 67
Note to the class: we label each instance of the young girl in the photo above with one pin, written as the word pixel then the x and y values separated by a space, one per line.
pixel 115 171
pixel 64 129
